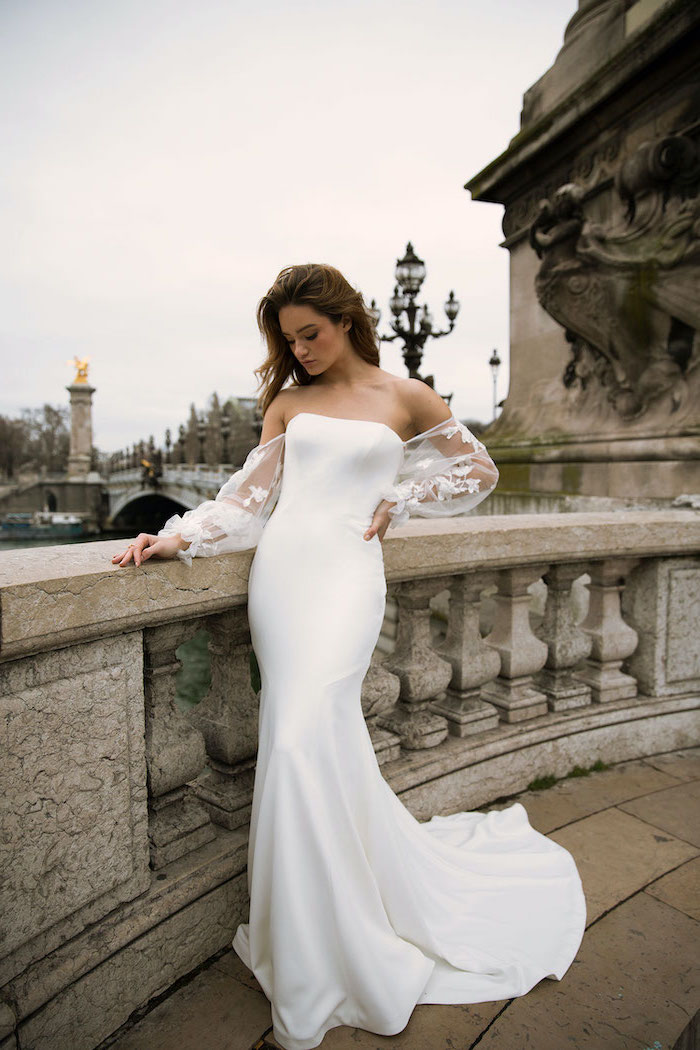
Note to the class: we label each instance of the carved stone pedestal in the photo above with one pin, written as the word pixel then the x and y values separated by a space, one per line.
pixel 522 654
pixel 380 692
pixel 473 662
pixel 566 643
pixel 177 825
pixel 612 639
pixel 175 753
pixel 422 673
pixel 227 792
pixel 466 713
pixel 228 720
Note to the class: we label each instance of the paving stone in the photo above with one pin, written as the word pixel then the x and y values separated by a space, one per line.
pixel 231 964
pixel 212 1010
pixel 576 797
pixel 684 764
pixel 618 854
pixel 632 986
pixel 680 888
pixel 675 810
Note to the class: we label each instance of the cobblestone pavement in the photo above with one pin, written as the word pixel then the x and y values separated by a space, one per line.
pixel 634 831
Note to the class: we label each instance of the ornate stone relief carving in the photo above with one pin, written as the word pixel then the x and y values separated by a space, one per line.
pixel 628 292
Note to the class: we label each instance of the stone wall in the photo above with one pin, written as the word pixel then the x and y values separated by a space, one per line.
pixel 562 639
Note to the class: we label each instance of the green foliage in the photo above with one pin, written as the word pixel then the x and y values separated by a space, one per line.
pixel 548 781
pixel 540 783
pixel 194 677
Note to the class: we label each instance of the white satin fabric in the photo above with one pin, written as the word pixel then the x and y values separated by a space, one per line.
pixel 358 912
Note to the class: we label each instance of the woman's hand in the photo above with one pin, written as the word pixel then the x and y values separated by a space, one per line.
pixel 380 521
pixel 146 546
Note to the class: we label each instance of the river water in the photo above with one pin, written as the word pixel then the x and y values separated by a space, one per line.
pixel 55 541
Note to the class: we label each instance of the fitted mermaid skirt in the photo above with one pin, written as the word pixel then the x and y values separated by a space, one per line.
pixel 359 912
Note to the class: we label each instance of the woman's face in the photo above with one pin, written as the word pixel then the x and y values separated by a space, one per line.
pixel 314 339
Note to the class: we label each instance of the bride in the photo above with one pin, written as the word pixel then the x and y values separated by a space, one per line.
pixel 358 912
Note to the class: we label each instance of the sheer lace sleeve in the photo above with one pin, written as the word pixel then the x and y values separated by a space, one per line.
pixel 445 471
pixel 234 520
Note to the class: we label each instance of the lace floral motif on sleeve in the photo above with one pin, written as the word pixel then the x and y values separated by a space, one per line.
pixel 234 520
pixel 445 471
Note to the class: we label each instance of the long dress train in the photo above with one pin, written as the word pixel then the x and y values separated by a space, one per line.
pixel 359 912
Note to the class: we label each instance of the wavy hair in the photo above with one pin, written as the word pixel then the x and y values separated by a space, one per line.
pixel 324 289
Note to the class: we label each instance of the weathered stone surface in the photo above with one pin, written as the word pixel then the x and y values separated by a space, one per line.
pixel 589 411
pixel 212 1010
pixel 683 764
pixel 57 595
pixel 635 853
pixel 7 1021
pixel 73 779
pixel 662 601
pixel 577 797
pixel 451 780
pixel 633 984
pixel 93 1007
pixel 675 810
pixel 680 888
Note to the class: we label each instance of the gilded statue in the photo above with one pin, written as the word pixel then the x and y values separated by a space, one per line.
pixel 81 365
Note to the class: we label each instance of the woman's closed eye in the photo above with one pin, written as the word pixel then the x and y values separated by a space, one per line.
pixel 308 338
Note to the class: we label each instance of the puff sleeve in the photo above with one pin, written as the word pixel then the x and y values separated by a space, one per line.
pixel 235 518
pixel 445 471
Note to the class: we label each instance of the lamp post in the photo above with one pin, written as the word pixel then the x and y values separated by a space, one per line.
pixel 494 363
pixel 410 274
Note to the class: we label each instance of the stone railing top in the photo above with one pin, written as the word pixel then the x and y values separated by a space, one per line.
pixel 53 596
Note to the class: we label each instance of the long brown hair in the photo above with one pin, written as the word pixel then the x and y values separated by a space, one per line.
pixel 324 289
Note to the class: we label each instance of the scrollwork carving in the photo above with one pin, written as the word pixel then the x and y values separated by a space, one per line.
pixel 628 293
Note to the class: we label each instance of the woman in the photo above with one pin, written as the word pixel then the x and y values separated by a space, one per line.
pixel 358 912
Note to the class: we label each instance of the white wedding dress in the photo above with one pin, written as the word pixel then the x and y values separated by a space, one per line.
pixel 358 912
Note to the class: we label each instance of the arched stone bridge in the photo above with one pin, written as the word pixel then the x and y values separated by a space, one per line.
pixel 184 486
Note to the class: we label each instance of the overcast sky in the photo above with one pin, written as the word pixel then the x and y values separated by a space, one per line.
pixel 163 160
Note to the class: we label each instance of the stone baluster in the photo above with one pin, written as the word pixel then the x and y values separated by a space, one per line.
pixel 380 692
pixel 473 661
pixel 522 653
pixel 422 673
pixel 612 639
pixel 567 644
pixel 227 717
pixel 175 753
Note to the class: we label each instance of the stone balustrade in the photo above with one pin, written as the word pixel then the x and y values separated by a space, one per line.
pixel 564 639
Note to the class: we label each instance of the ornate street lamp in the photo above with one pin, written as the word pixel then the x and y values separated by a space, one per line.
pixel 494 363
pixel 410 274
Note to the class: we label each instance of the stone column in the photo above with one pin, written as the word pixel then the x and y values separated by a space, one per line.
pixel 175 753
pixel 380 692
pixel 612 639
pixel 80 429
pixel 473 662
pixel 227 718
pixel 421 672
pixel 522 654
pixel 567 644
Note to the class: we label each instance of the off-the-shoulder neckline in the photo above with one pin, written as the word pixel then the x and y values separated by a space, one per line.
pixel 376 423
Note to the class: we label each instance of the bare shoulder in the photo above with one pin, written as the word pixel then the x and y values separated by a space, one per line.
pixel 425 407
pixel 276 416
